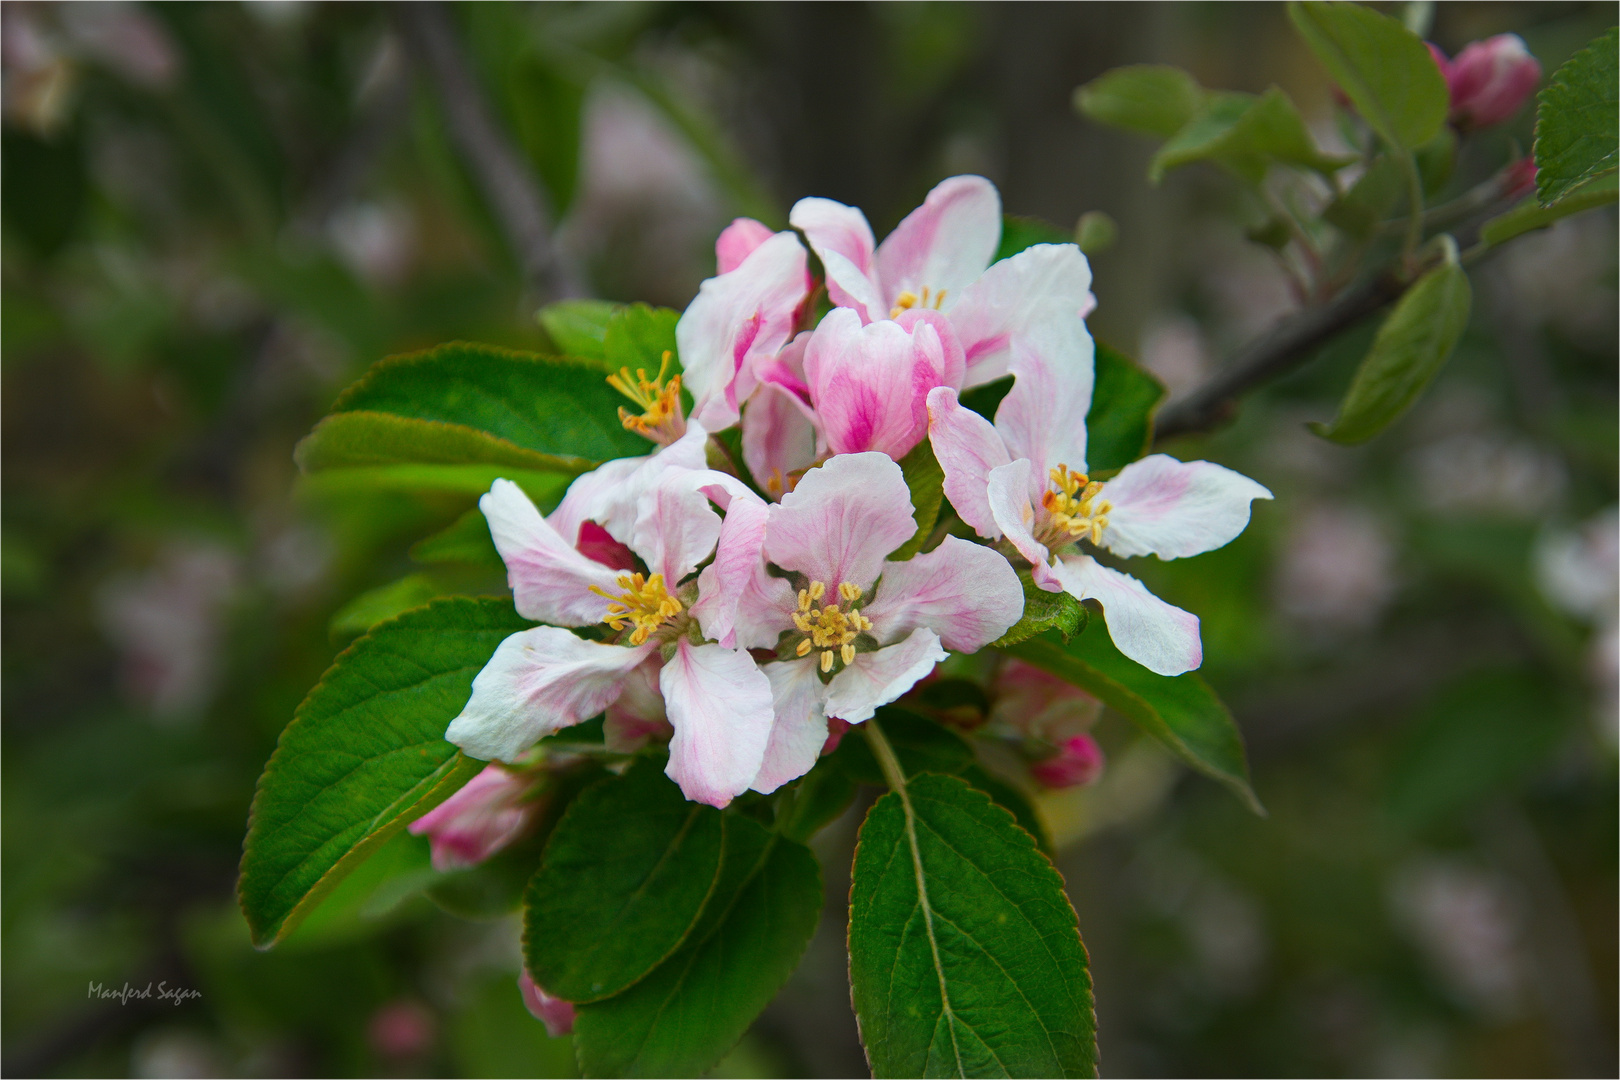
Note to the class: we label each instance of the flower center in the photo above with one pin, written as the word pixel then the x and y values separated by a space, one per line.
pixel 828 628
pixel 661 419
pixel 645 603
pixel 908 300
pixel 1073 504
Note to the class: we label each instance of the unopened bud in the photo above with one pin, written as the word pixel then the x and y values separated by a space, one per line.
pixel 1489 80
pixel 554 1012
pixel 492 810
pixel 1078 761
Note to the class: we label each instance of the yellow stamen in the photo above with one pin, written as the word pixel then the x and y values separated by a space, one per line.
pixel 1073 505
pixel 908 300
pixel 645 603
pixel 661 419
pixel 829 628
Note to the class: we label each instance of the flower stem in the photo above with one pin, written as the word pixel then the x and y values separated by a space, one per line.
pixel 885 756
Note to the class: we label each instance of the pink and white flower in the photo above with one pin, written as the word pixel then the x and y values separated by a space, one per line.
pixel 939 258
pixel 1024 479
pixel 846 648
pixel 493 809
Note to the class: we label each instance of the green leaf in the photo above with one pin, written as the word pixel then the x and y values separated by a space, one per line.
pixel 382 603
pixel 926 482
pixel 364 755
pixel 1530 215
pixel 474 480
pixel 1205 136
pixel 1369 201
pixel 579 327
pixel 1009 797
pixel 348 439
pixel 1152 98
pixel 1018 233
pixel 682 1018
pixel 1182 712
pixel 814 801
pixel 1385 69
pixel 1246 134
pixel 1578 122
pixel 546 108
pixel 965 956
pixel 638 336
pixel 1119 424
pixel 1407 354
pixel 559 408
pixel 1044 611
pixel 623 879
pixel 466 540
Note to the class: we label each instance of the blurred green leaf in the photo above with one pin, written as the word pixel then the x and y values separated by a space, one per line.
pixel 382 603
pixel 814 801
pixel 1209 132
pixel 1181 711
pixel 1578 121
pixel 1095 232
pixel 1407 354
pixel 1152 98
pixel 965 956
pixel 546 107
pixel 683 1017
pixel 1245 133
pixel 1119 424
pixel 1530 215
pixel 1385 69
pixel 638 337
pixel 46 188
pixel 579 327
pixel 622 882
pixel 474 480
pixel 364 755
pixel 1369 201
pixel 926 482
pixel 1018 233
pixel 466 540
pixel 1043 611
pixel 365 437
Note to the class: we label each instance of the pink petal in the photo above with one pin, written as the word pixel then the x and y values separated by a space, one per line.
pixel 1078 761
pixel 764 609
pixel 739 555
pixel 870 383
pixel 554 1012
pixel 737 241
pixel 1044 284
pixel 967 447
pixel 800 729
pixel 964 592
pixel 611 494
pixel 945 243
pixel 720 704
pixel 1043 416
pixel 539 681
pixel 1172 509
pixel 598 545
pixel 1489 80
pixel 1159 636
pixel 740 319
pixel 488 813
pixel 1008 495
pixel 842 521
pixel 952 364
pixel 638 716
pixel 551 581
pixel 877 678
pixel 842 240
pixel 779 437
pixel 1041 705
pixel 676 528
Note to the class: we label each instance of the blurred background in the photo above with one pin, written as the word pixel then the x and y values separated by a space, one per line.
pixel 217 215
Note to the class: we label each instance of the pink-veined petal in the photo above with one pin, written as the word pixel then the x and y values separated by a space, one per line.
pixel 964 592
pixel 779 436
pixel 1159 636
pixel 638 716
pixel 488 813
pixel 676 528
pixel 845 517
pixel 800 729
pixel 739 320
pixel 967 447
pixel 842 240
pixel 737 241
pixel 764 609
pixel 1173 509
pixel 720 704
pixel 1008 495
pixel 870 383
pixel 738 556
pixel 610 495
pixel 945 243
pixel 952 361
pixel 877 678
pixel 539 681
pixel 1047 283
pixel 1043 416
pixel 551 581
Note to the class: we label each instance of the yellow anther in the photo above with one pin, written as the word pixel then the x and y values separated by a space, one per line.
pixel 645 603
pixel 827 661
pixel 850 592
pixel 848 652
pixel 804 647
pixel 829 628
pixel 661 418
pixel 908 300
pixel 1073 506
pixel 818 589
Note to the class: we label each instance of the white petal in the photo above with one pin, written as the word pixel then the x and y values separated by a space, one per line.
pixel 539 681
pixel 738 557
pixel 945 243
pixel 967 447
pixel 611 494
pixel 675 527
pixel 1043 416
pixel 551 581
pixel 779 436
pixel 966 593
pixel 800 730
pixel 720 705
pixel 877 678
pixel 1047 283
pixel 842 521
pixel 1172 509
pixel 1159 636
pixel 1008 494
pixel 843 241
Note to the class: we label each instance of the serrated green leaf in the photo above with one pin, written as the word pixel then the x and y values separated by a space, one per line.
pixel 1182 712
pixel 1385 69
pixel 638 336
pixel 382 603
pixel 926 482
pixel 683 1017
pixel 1119 424
pixel 465 540
pixel 1411 347
pixel 1044 611
pixel 1530 215
pixel 1018 233
pixel 1578 121
pixel 622 881
pixel 551 406
pixel 579 327
pixel 1152 98
pixel 965 956
pixel 364 755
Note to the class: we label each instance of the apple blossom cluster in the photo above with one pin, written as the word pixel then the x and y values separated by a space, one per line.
pixel 676 597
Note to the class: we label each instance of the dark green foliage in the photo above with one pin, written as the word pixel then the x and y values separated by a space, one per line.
pixel 1578 123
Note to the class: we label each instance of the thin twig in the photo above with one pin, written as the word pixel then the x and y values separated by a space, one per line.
pixel 514 195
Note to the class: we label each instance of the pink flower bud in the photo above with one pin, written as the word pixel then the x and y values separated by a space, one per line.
pixel 1041 705
pixel 1489 80
pixel 1078 761
pixel 836 729
pixel 1518 178
pixel 737 241
pixel 555 1013
pixel 490 812
pixel 402 1029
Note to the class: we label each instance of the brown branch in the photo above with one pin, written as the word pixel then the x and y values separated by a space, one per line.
pixel 514 195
